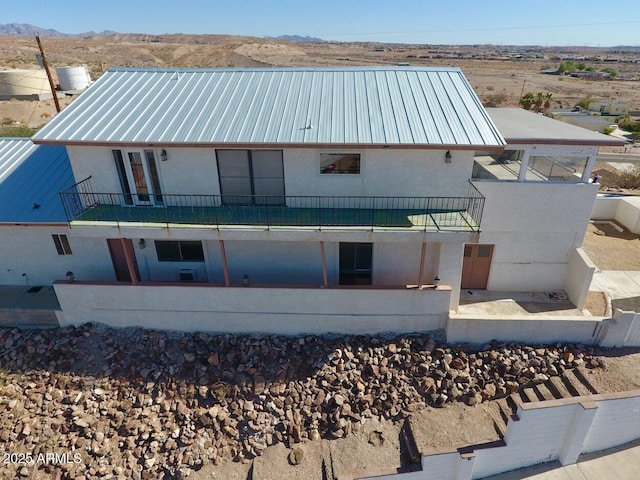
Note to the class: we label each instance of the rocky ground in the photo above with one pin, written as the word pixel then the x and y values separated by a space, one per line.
pixel 147 404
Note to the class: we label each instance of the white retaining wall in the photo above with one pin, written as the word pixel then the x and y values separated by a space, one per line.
pixel 537 330
pixel 272 310
pixel 624 210
pixel 623 330
pixel 541 432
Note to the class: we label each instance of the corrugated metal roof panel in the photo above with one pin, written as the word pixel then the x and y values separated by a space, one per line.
pixel 343 106
pixel 29 175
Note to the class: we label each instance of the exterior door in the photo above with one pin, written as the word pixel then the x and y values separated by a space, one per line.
pixel 117 248
pixel 355 263
pixel 251 177
pixel 139 179
pixel 476 266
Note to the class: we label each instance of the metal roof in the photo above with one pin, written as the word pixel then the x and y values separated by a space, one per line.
pixel 395 106
pixel 32 175
pixel 521 126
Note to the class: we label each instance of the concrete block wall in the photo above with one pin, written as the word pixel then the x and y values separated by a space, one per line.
pixel 541 432
pixel 268 310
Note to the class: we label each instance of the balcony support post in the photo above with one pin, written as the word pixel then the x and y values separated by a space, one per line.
pixel 130 265
pixel 423 255
pixel 325 282
pixel 225 269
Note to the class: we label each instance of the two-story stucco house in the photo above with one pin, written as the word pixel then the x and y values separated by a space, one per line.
pixel 309 199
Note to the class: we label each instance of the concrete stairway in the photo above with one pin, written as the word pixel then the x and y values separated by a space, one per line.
pixel 572 383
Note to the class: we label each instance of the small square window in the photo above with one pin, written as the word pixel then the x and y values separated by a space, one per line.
pixel 348 163
pixel 62 244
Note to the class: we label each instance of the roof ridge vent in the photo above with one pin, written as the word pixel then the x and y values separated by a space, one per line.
pixel 176 75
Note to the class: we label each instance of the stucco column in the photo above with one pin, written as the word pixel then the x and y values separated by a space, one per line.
pixel 130 265
pixel 524 165
pixel 325 282
pixel 465 466
pixel 591 160
pixel 423 255
pixel 577 433
pixel 223 257
pixel 450 269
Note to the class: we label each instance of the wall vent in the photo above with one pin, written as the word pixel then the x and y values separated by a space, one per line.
pixel 188 275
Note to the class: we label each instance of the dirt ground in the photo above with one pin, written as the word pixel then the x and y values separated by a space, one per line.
pixel 611 249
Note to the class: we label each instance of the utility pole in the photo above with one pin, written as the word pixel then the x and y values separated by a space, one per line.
pixel 46 68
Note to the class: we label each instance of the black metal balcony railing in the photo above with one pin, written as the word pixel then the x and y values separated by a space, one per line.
pixel 429 213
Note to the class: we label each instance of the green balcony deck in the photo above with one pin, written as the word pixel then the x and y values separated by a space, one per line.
pixel 83 206
pixel 270 216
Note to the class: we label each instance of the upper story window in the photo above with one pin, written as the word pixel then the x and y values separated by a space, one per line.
pixel 348 163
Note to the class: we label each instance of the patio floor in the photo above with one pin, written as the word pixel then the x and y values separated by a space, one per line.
pixel 484 302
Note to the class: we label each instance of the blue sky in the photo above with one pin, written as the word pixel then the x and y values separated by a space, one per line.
pixel 517 22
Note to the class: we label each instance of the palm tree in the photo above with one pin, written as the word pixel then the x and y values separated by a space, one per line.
pixel 527 101
pixel 547 102
pixel 538 103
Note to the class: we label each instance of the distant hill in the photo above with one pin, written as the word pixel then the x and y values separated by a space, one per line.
pixel 296 38
pixel 26 30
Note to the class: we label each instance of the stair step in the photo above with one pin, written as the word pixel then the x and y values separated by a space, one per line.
pixel 408 440
pixel 574 384
pixel 514 401
pixel 529 395
pixel 558 388
pixel 543 392
pixel 580 375
pixel 505 410
pixel 499 426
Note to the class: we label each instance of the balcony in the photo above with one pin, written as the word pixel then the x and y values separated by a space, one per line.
pixel 84 206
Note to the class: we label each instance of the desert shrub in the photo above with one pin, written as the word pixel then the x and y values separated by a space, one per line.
pixel 584 103
pixel 495 100
pixel 16 131
pixel 629 178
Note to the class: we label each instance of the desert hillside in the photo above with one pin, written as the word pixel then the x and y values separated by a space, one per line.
pixel 498 74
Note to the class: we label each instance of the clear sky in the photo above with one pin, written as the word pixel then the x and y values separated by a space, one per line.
pixel 505 22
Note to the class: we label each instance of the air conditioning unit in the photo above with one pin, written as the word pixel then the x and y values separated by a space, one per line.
pixel 188 275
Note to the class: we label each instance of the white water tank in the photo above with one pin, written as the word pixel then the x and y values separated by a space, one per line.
pixel 73 78
pixel 18 83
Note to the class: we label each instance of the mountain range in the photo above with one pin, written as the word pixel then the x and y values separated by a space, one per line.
pixel 24 29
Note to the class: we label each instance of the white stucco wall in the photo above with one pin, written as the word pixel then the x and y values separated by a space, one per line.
pixel 30 250
pixel 543 432
pixel 384 172
pixel 624 210
pixel 579 276
pixel 288 311
pixel 290 263
pixel 480 329
pixel 535 227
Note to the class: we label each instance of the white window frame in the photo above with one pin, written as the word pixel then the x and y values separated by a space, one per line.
pixel 339 152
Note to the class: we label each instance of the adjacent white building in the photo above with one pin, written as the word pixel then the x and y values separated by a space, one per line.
pixel 310 199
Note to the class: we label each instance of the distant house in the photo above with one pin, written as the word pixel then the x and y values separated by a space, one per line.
pixel 310 200
pixel 609 108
